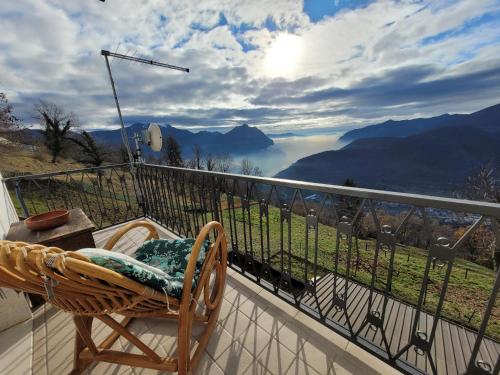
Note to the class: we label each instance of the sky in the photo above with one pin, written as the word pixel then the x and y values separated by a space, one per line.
pixel 277 64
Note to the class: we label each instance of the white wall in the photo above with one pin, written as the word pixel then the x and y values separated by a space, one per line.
pixel 13 306
pixel 8 214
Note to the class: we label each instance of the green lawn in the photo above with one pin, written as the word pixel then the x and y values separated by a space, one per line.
pixel 465 298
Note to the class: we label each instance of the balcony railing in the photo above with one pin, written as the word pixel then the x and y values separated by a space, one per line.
pixel 387 270
pixel 106 194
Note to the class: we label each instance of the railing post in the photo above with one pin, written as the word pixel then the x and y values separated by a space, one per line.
pixel 478 366
pixel 20 199
pixel 215 202
pixel 139 195
pixel 496 250
pixel 475 365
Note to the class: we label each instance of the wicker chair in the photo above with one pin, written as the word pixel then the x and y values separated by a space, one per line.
pixel 75 285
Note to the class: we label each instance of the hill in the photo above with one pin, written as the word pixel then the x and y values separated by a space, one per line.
pixel 282 135
pixel 19 159
pixel 486 119
pixel 434 162
pixel 239 140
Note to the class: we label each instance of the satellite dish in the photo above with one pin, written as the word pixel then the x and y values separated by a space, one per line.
pixel 153 137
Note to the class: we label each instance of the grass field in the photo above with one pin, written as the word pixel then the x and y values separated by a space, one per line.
pixel 13 162
pixel 465 298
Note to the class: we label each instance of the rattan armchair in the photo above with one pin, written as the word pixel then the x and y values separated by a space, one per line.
pixel 73 284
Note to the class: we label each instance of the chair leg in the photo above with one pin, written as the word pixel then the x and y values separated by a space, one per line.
pixel 205 336
pixel 84 323
pixel 184 340
pixel 212 312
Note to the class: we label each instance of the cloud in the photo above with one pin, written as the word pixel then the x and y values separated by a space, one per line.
pixel 357 65
pixel 409 84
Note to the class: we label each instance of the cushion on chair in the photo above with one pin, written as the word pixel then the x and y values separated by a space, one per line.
pixel 159 264
pixel 127 266
pixel 172 256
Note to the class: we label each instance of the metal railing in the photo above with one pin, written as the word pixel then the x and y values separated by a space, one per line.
pixel 384 269
pixel 106 194
pixel 389 271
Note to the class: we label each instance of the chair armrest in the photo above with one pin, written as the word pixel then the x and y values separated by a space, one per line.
pixel 217 253
pixel 120 232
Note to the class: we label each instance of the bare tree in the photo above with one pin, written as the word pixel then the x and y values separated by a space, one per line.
pixel 93 154
pixel 248 168
pixel 172 152
pixel 224 163
pixel 8 121
pixel 198 157
pixel 190 164
pixel 119 154
pixel 483 185
pixel 57 124
pixel 210 162
pixel 219 163
pixel 10 125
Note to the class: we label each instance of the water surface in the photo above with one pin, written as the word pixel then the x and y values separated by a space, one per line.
pixel 286 151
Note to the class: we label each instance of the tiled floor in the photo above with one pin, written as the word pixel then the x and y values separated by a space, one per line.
pixel 15 349
pixel 257 333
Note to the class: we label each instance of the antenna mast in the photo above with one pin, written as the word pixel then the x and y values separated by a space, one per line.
pixel 106 54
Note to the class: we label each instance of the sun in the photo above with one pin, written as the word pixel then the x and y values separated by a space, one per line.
pixel 283 55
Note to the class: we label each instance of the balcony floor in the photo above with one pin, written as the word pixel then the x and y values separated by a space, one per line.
pixel 257 333
pixel 397 327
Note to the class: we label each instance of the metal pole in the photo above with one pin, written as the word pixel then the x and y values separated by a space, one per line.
pixel 124 133
pixel 143 61
pixel 106 54
pixel 138 154
pixel 473 363
pixel 20 199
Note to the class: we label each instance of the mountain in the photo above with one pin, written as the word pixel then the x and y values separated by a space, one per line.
pixel 487 119
pixel 242 139
pixel 434 162
pixel 239 140
pixel 282 135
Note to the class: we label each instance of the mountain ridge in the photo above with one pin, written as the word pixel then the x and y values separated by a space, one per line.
pixel 434 162
pixel 241 139
pixel 483 119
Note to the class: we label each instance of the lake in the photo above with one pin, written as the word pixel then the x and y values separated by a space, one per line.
pixel 286 151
